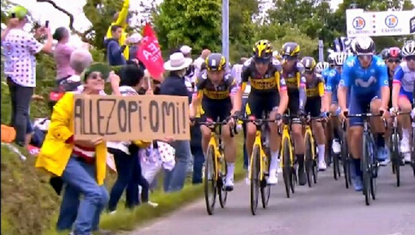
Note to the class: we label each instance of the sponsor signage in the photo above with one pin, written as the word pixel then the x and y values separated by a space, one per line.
pixel 381 23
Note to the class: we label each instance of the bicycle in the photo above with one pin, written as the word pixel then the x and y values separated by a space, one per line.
pixel 369 163
pixel 259 164
pixel 311 164
pixel 287 162
pixel 215 167
pixel 396 158
pixel 345 156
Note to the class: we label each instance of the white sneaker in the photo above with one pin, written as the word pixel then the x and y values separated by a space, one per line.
pixel 247 180
pixel 279 168
pixel 153 204
pixel 273 177
pixel 322 166
pixel 229 184
pixel 405 146
pixel 407 157
pixel 113 212
pixel 336 146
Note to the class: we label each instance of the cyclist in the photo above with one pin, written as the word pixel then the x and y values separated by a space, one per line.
pixel 327 70
pixel 366 76
pixel 314 107
pixel 268 94
pixel 216 92
pixel 321 66
pixel 330 100
pixel 402 95
pixel 292 74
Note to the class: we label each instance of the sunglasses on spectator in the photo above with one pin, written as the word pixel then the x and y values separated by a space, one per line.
pixel 396 61
pixel 95 75
pixel 409 58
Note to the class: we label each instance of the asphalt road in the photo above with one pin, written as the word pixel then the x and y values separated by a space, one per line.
pixel 326 209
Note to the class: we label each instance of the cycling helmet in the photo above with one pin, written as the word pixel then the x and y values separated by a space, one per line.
pixel 276 55
pixel 339 58
pixel 384 53
pixel 215 62
pixel 364 46
pixel 290 49
pixel 263 49
pixel 408 49
pixel 394 52
pixel 353 46
pixel 330 58
pixel 320 66
pixel 309 63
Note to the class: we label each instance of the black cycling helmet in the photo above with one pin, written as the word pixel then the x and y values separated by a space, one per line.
pixel 215 62
pixel 290 49
pixel 364 46
pixel 263 50
pixel 309 63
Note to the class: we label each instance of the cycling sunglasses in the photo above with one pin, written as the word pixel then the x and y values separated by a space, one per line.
pixel 365 57
pixel 396 61
pixel 409 58
pixel 262 60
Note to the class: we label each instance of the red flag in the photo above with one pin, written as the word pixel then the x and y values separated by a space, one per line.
pixel 150 54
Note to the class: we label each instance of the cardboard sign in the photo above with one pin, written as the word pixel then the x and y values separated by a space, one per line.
pixel 125 118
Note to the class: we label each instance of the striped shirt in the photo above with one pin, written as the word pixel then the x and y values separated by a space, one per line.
pixel 236 74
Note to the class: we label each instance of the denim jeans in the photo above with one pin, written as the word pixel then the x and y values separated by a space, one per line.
pixel 20 97
pixel 244 101
pixel 199 159
pixel 81 177
pixel 69 208
pixel 174 179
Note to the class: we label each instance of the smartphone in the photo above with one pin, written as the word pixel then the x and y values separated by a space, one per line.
pixel 13 15
pixel 47 24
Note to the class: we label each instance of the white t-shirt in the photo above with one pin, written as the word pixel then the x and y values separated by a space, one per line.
pixel 19 49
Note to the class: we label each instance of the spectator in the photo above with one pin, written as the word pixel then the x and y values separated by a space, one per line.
pixel 236 74
pixel 135 41
pixel 174 85
pixel 199 61
pixel 19 53
pixel 126 153
pixel 62 54
pixel 81 164
pixel 121 18
pixel 190 71
pixel 115 55
pixel 197 153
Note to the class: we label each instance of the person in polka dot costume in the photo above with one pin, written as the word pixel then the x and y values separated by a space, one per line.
pixel 19 50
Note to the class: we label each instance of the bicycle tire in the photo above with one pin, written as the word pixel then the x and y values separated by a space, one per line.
pixel 345 160
pixel 396 159
pixel 286 167
pixel 365 170
pixel 210 183
pixel 308 155
pixel 222 193
pixel 265 188
pixel 373 168
pixel 255 183
pixel 336 166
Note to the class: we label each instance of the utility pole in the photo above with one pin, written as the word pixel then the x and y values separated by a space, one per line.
pixel 225 29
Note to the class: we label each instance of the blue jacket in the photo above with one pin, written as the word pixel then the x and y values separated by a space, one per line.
pixel 115 55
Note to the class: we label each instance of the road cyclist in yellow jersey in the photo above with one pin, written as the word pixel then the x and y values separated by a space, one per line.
pixel 268 95
pixel 296 86
pixel 314 106
pixel 215 96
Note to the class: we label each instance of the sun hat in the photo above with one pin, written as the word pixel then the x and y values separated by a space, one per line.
pixel 19 11
pixel 177 62
pixel 185 49
pixel 103 68
pixel 135 38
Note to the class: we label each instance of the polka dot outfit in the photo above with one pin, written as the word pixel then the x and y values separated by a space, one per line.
pixel 19 49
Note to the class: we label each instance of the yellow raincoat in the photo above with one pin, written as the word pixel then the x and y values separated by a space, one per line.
pixel 55 153
pixel 122 21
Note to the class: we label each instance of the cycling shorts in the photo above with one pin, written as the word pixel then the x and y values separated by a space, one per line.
pixel 360 104
pixel 261 103
pixel 294 102
pixel 214 109
pixel 407 95
pixel 313 106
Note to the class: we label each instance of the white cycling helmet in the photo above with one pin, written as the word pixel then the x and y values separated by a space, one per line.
pixel 339 58
pixel 408 49
pixel 320 66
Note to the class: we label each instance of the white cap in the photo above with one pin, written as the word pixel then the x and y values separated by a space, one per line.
pixel 135 38
pixel 185 49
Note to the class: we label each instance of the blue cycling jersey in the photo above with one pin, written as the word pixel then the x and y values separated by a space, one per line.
pixel 364 81
pixel 325 73
pixel 333 80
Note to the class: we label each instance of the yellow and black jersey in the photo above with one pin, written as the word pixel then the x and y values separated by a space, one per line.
pixel 270 81
pixel 315 86
pixel 293 77
pixel 205 89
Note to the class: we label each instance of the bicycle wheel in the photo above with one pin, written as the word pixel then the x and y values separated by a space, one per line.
pixel 336 166
pixel 286 167
pixel 373 167
pixel 345 160
pixel 365 169
pixel 396 159
pixel 222 193
pixel 255 176
pixel 265 188
pixel 309 158
pixel 210 183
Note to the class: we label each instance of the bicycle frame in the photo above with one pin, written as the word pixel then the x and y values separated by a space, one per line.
pixel 258 142
pixel 285 136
